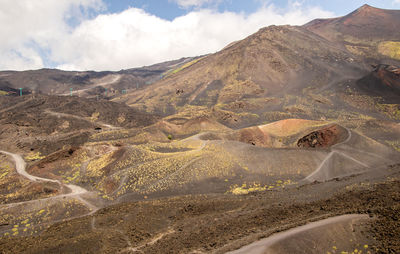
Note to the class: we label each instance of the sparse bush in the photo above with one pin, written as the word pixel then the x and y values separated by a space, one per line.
pixel 169 136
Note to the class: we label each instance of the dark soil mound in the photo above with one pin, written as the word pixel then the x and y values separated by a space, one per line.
pixel 384 81
pixel 254 136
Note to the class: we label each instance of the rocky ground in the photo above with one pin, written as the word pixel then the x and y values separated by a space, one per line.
pixel 223 222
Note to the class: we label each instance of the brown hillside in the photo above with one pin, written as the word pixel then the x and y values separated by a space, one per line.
pixel 366 22
pixel 272 62
pixel 361 32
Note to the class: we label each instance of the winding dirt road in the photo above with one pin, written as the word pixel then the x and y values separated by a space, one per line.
pixel 77 191
pixel 263 246
pixel 319 175
pixel 58 114
pixel 109 80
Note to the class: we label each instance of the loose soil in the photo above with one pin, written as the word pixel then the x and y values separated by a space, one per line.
pixel 221 223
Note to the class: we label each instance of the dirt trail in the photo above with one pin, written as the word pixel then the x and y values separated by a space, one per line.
pixel 113 80
pixel 77 191
pixel 151 242
pixel 261 247
pixel 58 114
pixel 316 175
pixel 15 106
pixel 128 242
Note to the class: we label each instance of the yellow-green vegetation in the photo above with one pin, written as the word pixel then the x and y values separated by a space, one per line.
pixel 360 47
pixel 186 65
pixel 229 116
pixel 358 186
pixel 257 187
pixel 17 188
pixel 272 116
pixel 2 93
pixel 343 116
pixel 65 125
pixel 246 189
pixel 121 119
pixel 146 171
pixel 390 49
pixel 234 90
pixel 360 249
pixel 246 104
pixel 74 176
pixel 359 50
pixel 395 144
pixel 74 164
pixel 94 169
pixel 36 217
pixel 391 110
pixel 190 111
pixel 14 187
pixel 95 116
pixel 112 135
pixel 34 156
pixel 4 171
pixel 359 101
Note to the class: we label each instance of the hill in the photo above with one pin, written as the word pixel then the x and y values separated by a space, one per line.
pixel 87 83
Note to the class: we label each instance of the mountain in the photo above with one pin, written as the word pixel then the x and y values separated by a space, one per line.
pixel 282 72
pixel 368 31
pixel 290 125
pixel 365 23
pixel 86 83
pixel 252 74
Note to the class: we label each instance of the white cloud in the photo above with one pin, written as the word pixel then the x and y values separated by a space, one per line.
pixel 195 3
pixel 27 26
pixel 131 38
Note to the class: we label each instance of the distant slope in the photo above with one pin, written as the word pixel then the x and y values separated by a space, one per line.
pixel 363 32
pixel 47 123
pixel 86 83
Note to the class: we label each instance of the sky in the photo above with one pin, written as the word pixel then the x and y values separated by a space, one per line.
pixel 121 34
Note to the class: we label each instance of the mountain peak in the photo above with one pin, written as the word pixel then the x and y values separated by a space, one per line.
pixel 366 6
pixel 367 10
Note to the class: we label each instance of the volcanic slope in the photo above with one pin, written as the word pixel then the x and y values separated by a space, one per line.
pixel 251 76
pixel 368 31
pixel 279 73
pixel 214 162
pixel 286 72
pixel 105 84
pixel 46 124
